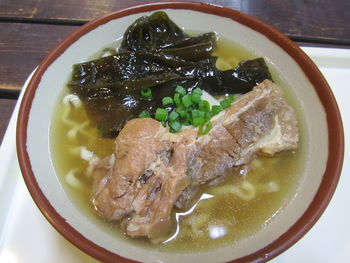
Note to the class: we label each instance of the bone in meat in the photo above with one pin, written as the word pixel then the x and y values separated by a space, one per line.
pixel 154 169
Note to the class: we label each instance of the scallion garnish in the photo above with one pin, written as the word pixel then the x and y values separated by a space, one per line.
pixel 161 114
pixel 204 105
pixel 231 97
pixel 167 101
pixel 181 112
pixel 197 91
pixel 144 114
pixel 225 103
pixel 175 126
pixel 194 113
pixel 201 113
pixel 187 100
pixel 177 99
pixel 216 109
pixel 146 93
pixel 204 128
pixel 180 90
pixel 208 115
pixel 196 121
pixel 173 116
pixel 195 97
pixel 186 109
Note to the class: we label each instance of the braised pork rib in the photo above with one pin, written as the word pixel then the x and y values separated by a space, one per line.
pixel 152 169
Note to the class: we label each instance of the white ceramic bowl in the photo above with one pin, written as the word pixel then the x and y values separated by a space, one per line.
pixel 323 133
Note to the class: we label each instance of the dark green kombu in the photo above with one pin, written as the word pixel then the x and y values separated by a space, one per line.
pixel 155 53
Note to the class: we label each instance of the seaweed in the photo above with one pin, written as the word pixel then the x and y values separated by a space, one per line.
pixel 151 32
pixel 155 53
pixel 243 78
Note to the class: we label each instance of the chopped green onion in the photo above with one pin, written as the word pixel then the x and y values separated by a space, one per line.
pixel 173 116
pixel 167 101
pixel 181 112
pixel 201 113
pixel 146 93
pixel 195 97
pixel 204 105
pixel 216 109
pixel 177 99
pixel 197 113
pixel 185 109
pixel 194 113
pixel 231 97
pixel 187 121
pixel 196 121
pixel 225 103
pixel 175 126
pixel 144 114
pixel 161 114
pixel 187 100
pixel 179 108
pixel 204 128
pixel 180 90
pixel 208 115
pixel 197 91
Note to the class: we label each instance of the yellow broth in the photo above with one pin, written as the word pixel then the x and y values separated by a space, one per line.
pixel 222 219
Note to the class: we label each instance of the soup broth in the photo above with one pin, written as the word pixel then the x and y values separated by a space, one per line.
pixel 231 211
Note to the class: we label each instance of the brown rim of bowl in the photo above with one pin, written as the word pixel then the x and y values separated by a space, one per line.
pixel 335 131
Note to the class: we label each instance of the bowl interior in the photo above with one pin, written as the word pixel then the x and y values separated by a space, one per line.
pixel 55 76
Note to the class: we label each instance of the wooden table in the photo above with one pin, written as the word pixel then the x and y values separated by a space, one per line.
pixel 30 28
